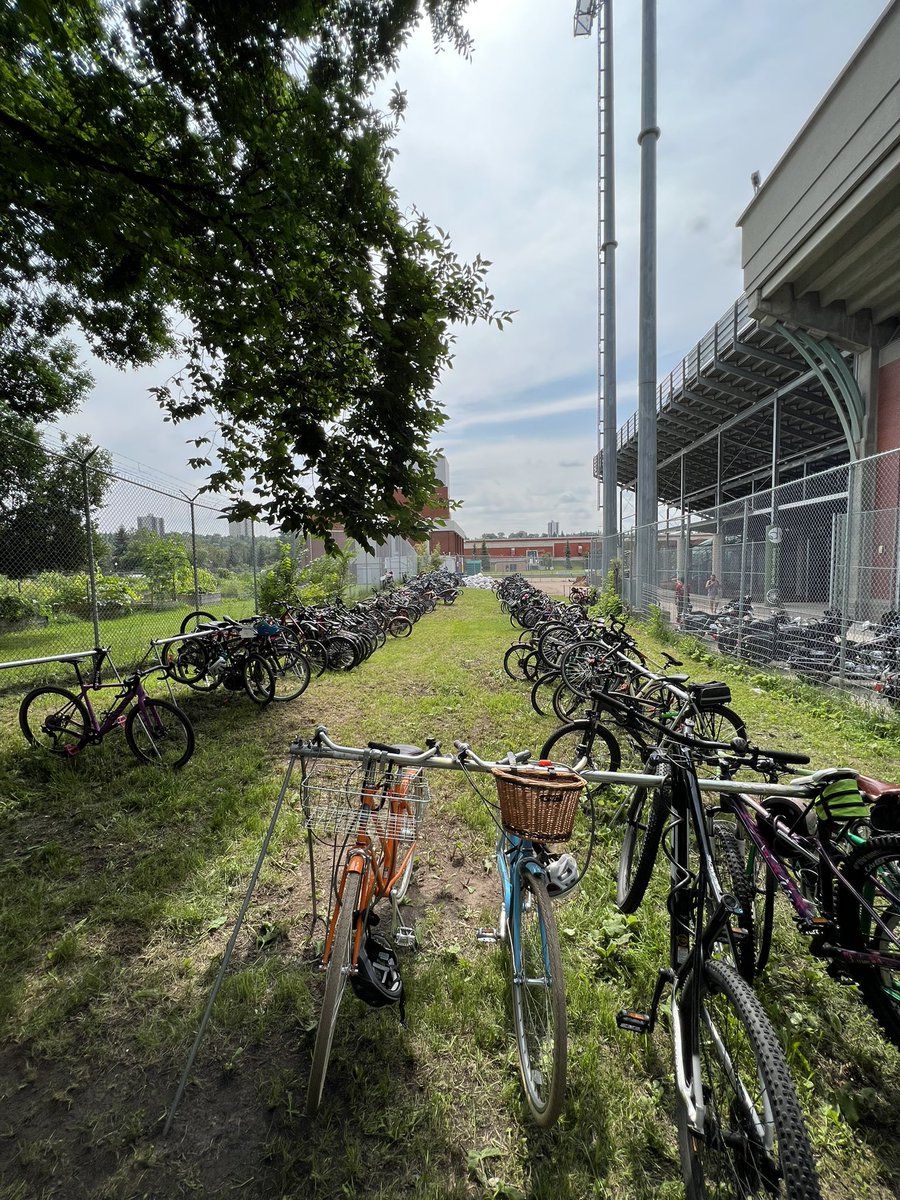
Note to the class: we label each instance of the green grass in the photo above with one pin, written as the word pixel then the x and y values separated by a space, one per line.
pixel 119 888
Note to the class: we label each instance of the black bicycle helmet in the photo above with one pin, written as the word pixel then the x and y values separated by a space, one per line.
pixel 377 980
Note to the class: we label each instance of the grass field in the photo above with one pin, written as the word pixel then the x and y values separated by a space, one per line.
pixel 119 888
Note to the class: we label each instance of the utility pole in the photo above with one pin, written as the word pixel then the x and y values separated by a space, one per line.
pixel 585 12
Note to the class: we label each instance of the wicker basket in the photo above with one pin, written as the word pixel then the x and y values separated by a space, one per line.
pixel 539 805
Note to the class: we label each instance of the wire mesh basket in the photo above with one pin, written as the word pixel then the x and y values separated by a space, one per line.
pixel 394 806
pixel 539 805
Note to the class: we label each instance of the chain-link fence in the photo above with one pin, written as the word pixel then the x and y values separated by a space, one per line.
pixel 89 556
pixel 805 576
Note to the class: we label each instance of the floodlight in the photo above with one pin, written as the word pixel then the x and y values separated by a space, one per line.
pixel 585 11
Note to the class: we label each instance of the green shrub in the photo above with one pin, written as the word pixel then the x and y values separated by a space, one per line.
pixel 18 608
pixel 658 627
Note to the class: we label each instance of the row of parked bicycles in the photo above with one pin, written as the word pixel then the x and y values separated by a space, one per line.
pixel 734 827
pixel 268 658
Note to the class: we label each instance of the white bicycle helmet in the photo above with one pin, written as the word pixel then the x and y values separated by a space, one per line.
pixel 562 875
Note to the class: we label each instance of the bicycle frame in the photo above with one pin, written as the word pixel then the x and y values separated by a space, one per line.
pixel 380 872
pixel 822 854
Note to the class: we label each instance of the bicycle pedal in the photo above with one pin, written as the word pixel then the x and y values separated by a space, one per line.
pixel 405 937
pixel 487 936
pixel 633 1022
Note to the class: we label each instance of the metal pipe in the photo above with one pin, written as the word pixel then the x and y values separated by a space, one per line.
pixel 608 266
pixel 646 483
pixel 92 570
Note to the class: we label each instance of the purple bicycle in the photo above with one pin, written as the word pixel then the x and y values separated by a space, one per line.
pixel 63 723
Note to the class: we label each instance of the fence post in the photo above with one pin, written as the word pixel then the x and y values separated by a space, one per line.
pixel 845 583
pixel 194 553
pixel 89 533
pixel 253 560
pixel 744 538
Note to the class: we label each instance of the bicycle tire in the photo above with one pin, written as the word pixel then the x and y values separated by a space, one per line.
pixel 193 619
pixel 640 844
pixel 731 870
pixel 719 724
pixel 513 660
pixel 189 664
pixel 763 888
pixel 740 1060
pixel 538 1000
pixel 336 974
pixel 291 672
pixel 566 701
pixel 399 627
pixel 542 693
pixel 579 665
pixel 343 652
pixel 158 728
pixel 873 870
pixel 316 655
pixel 63 731
pixel 259 679
pixel 584 746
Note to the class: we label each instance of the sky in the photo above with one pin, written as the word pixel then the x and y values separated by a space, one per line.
pixel 501 151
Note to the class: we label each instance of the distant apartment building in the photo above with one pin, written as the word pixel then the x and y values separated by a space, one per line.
pixel 239 528
pixel 553 529
pixel 152 524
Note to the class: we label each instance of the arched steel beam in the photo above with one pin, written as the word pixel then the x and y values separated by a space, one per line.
pixel 831 371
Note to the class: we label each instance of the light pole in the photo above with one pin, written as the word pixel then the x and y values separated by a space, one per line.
pixel 585 11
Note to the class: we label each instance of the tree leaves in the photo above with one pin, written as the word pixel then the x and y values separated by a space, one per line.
pixel 221 167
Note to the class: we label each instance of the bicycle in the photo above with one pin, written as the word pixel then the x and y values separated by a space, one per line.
pixel 536 808
pixel 740 1128
pixel 63 723
pixel 820 847
pixel 375 820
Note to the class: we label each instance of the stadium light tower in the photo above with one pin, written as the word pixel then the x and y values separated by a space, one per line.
pixel 605 468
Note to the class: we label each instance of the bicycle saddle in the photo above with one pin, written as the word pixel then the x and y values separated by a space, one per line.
pixel 874 789
pixel 676 678
pixel 398 749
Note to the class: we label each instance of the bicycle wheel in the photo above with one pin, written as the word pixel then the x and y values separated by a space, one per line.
pixel 189 664
pixel 514 659
pixel 873 870
pixel 159 734
pixel 566 702
pixel 762 900
pixel 538 999
pixel 645 819
pixel 343 653
pixel 54 719
pixel 336 974
pixel 316 655
pixel 584 746
pixel 754 1143
pixel 582 666
pixel 399 627
pixel 542 693
pixel 719 725
pixel 194 620
pixel 291 673
pixel 259 679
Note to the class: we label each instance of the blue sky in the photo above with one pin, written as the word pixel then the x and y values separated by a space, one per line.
pixel 501 151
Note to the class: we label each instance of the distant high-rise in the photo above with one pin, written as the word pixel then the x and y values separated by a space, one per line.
pixel 152 524
pixel 239 528
pixel 553 529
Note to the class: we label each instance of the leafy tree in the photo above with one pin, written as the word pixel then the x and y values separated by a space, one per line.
pixel 221 169
pixel 42 525
pixel 485 557
pixel 326 578
pixel 568 557
pixel 278 584
pixel 165 562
